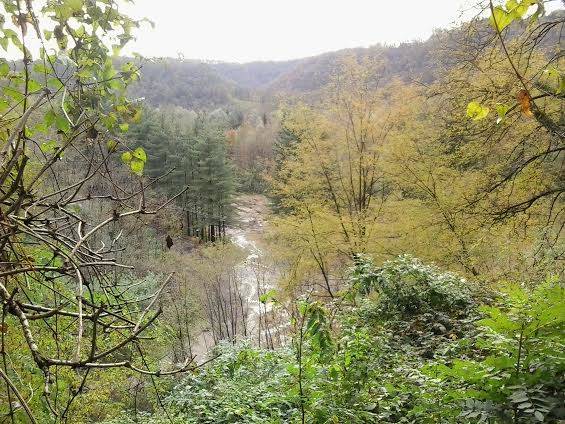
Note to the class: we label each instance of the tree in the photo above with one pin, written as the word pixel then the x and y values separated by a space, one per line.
pixel 530 58
pixel 190 150
pixel 63 108
pixel 212 184
pixel 332 184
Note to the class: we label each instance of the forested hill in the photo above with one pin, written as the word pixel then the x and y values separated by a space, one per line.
pixel 195 84
pixel 192 84
pixel 189 84
pixel 408 60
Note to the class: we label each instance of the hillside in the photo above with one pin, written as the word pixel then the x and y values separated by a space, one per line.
pixel 189 84
pixel 193 84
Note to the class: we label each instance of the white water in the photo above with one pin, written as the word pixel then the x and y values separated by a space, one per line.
pixel 252 271
pixel 248 283
pixel 249 226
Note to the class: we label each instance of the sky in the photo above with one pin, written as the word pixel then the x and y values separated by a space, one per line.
pixel 250 30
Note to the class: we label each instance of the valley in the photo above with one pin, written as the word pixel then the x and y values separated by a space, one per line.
pixel 367 235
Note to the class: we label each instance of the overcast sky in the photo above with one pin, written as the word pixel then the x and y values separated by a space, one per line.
pixel 248 30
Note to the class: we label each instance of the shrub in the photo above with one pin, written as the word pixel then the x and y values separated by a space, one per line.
pixel 408 287
pixel 516 372
pixel 242 385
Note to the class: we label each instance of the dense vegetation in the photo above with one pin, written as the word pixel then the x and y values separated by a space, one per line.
pixel 411 344
pixel 411 269
pixel 186 150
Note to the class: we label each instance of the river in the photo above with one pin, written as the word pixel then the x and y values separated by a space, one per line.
pixel 255 276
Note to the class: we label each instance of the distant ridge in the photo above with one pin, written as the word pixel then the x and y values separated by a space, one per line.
pixel 194 84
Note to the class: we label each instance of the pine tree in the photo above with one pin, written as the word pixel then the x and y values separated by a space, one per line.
pixel 192 155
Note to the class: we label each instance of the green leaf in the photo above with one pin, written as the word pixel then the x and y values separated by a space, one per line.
pixel 127 157
pixel 136 160
pixel 4 69
pixel 552 73
pixel 524 405
pixel 40 68
pixel 112 145
pixel 33 86
pixel 49 118
pixel 124 127
pixel 65 9
pixel 16 40
pixel 74 5
pixel 48 146
pixel 80 31
pixel 137 166
pixel 519 8
pixel 500 18
pixel 109 120
pixel 137 116
pixel 559 77
pixel 501 110
pixel 116 84
pixel 62 124
pixel 139 153
pixel 14 94
pixel 84 73
pixel 54 82
pixel 3 105
pixel 269 295
pixel 477 112
pixel 41 127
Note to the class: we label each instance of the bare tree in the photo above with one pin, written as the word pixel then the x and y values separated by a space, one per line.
pixel 60 283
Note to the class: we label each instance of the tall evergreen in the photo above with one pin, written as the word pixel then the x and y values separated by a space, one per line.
pixel 151 134
pixel 192 154
pixel 213 183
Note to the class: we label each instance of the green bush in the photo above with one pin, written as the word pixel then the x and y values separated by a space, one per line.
pixel 381 359
pixel 407 287
pixel 242 385
pixel 516 372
